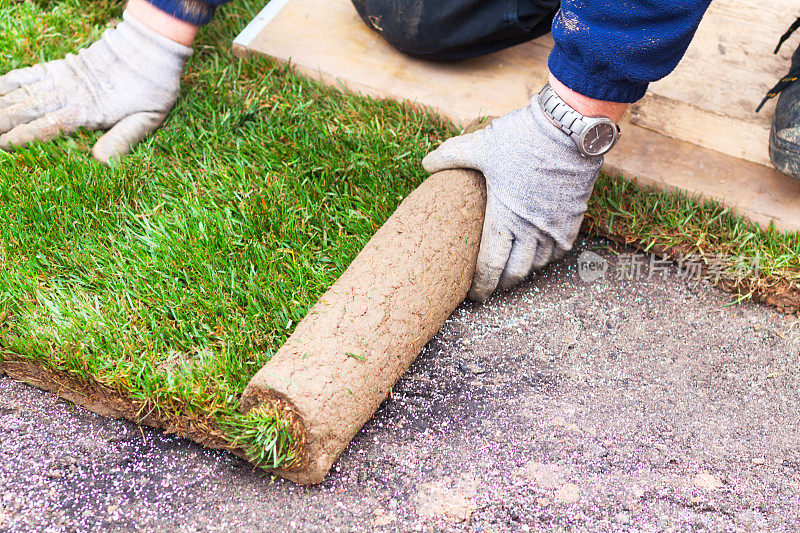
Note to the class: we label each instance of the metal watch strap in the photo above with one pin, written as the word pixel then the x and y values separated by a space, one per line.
pixel 560 113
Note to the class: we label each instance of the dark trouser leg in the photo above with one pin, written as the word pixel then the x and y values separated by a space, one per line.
pixel 448 30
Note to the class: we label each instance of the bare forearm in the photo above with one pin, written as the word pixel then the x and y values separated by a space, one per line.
pixel 588 106
pixel 163 23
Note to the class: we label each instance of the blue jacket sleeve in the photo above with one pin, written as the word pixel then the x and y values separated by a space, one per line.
pixel 198 12
pixel 613 50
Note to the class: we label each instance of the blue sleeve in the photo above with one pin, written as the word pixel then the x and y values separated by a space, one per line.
pixel 613 50
pixel 198 12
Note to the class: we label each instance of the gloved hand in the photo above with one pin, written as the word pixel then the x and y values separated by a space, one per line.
pixel 537 186
pixel 127 81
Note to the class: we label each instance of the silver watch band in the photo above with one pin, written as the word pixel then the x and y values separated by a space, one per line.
pixel 577 126
pixel 560 113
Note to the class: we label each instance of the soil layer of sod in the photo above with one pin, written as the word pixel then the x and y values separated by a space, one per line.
pixel 155 289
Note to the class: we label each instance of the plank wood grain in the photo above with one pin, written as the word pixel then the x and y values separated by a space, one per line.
pixel 710 98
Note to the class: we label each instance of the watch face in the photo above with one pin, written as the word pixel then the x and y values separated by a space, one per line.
pixel 598 138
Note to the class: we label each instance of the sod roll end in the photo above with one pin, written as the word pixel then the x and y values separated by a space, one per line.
pixel 343 358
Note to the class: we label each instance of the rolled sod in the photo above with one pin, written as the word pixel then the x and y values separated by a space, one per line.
pixel 343 358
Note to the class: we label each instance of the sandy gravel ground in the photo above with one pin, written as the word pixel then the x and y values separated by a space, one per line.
pixel 565 405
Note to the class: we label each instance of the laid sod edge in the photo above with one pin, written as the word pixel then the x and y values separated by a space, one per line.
pixel 271 436
pixel 675 226
pixel 255 167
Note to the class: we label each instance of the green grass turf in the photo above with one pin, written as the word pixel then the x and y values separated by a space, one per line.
pixel 172 277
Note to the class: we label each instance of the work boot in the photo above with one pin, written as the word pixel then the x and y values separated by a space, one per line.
pixel 784 138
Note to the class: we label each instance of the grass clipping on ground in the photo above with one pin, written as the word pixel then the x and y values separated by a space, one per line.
pixel 169 280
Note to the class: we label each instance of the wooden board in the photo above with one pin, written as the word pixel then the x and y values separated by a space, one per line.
pixel 328 41
pixel 710 98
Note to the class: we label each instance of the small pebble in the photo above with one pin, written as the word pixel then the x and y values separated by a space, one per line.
pixel 707 481
pixel 623 518
pixel 54 474
pixel 598 451
pixel 471 367
pixel 568 493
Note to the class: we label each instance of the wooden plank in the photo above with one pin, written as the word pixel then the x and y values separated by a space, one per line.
pixel 328 41
pixel 710 98
pixel 256 25
pixel 681 120
pixel 730 63
pixel 758 192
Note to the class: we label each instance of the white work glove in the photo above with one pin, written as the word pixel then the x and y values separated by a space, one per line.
pixel 537 186
pixel 127 81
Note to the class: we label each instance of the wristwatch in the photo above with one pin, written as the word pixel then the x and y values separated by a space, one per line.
pixel 592 135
